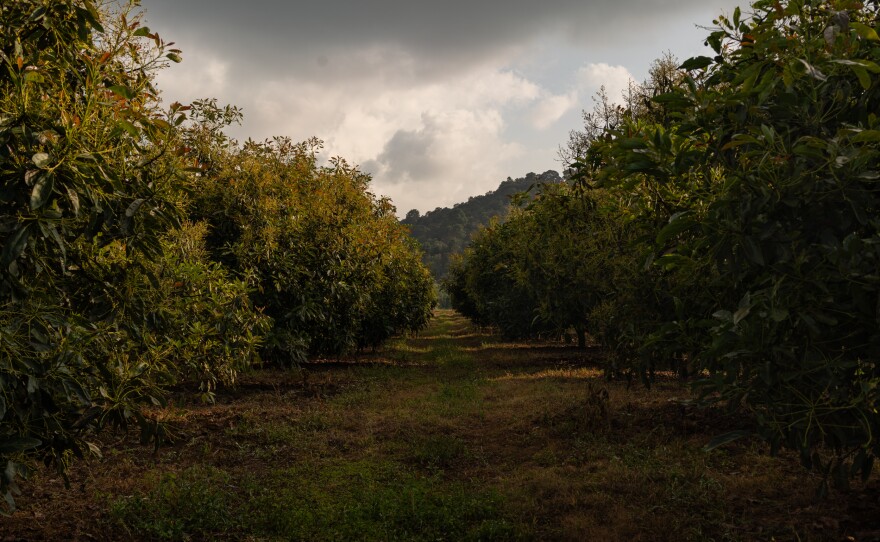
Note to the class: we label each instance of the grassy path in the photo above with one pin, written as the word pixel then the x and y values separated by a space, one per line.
pixel 453 435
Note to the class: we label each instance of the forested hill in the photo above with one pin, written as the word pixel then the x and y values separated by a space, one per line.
pixel 445 231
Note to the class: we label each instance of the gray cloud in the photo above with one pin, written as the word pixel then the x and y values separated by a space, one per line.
pixel 316 37
pixel 438 100
pixel 408 155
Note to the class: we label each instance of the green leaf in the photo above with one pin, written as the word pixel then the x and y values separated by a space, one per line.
pixel 42 191
pixel 696 63
pixel 129 214
pixel 866 64
pixel 15 245
pixel 174 57
pixel 672 98
pixel 714 40
pixel 788 75
pixel 864 78
pixel 92 16
pixel 53 231
pixel 133 208
pixel 867 136
pixel 672 261
pixel 130 128
pixel 18 444
pixel 123 91
pixel 740 314
pixel 143 31
pixel 753 251
pixel 748 76
pixel 740 139
pixel 865 31
pixel 37 14
pixel 112 179
pixel 33 76
pixel 778 315
pixel 632 143
pixel 74 201
pixel 678 223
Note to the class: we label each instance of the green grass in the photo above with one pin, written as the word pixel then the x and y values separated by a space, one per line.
pixel 377 501
pixel 439 452
pixel 199 500
pixel 466 439
pixel 395 485
pixel 359 500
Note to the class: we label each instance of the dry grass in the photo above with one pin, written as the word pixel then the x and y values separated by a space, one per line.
pixel 451 435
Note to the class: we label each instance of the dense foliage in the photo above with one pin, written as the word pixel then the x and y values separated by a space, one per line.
pixel 86 197
pixel 727 221
pixel 141 248
pixel 328 261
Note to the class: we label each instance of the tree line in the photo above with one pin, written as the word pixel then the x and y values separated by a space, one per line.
pixel 448 230
pixel 144 248
pixel 723 223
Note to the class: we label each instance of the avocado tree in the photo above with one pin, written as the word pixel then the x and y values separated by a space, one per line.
pixel 327 260
pixel 765 185
pixel 106 295
pixel 86 194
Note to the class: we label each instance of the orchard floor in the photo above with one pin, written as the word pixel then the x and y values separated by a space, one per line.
pixel 453 435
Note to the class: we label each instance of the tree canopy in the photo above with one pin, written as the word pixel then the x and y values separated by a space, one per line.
pixel 142 247
pixel 724 225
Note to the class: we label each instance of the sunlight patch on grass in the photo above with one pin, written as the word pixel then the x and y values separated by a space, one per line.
pixel 409 348
pixel 456 336
pixel 446 355
pixel 502 346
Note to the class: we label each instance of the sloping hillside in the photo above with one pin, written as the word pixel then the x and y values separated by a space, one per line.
pixel 445 231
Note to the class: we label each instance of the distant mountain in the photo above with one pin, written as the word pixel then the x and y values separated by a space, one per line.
pixel 444 231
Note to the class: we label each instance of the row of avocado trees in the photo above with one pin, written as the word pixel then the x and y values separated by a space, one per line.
pixel 142 248
pixel 724 223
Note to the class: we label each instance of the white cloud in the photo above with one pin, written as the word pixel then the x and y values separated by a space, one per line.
pixel 615 79
pixel 436 141
pixel 552 108
pixel 472 93
pixel 427 141
pixel 206 77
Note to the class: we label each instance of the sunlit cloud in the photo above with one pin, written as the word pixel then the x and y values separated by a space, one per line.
pixel 550 109
pixel 438 101
pixel 615 79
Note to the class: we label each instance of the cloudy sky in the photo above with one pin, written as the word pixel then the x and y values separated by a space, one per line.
pixel 439 100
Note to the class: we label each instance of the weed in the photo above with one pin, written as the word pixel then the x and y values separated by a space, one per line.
pixel 378 501
pixel 438 452
pixel 198 500
pixel 447 356
pixel 591 414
